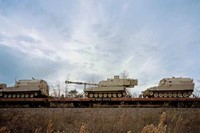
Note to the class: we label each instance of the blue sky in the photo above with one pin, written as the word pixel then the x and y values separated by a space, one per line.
pixel 91 40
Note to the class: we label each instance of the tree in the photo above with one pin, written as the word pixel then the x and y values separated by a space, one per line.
pixel 73 93
pixel 197 90
pixel 124 74
pixel 57 89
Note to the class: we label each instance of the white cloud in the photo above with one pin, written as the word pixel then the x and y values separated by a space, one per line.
pixel 91 39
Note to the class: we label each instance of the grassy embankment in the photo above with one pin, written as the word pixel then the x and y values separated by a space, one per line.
pixel 100 120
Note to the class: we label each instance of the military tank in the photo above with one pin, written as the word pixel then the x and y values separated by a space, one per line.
pixel 171 87
pixel 110 88
pixel 25 89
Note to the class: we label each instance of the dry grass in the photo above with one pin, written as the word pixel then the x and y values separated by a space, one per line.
pixel 161 128
pixel 82 128
pixel 100 120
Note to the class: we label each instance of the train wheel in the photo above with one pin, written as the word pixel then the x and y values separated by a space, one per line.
pixel 160 94
pixel 169 94
pixel 165 94
pixel 100 95
pixel 14 96
pixel 22 95
pixel 119 95
pixel 91 95
pixel 114 95
pixel 180 94
pixel 155 94
pixel 185 94
pixel 31 95
pixel 109 95
pixel 105 95
pixel 95 95
pixel 174 94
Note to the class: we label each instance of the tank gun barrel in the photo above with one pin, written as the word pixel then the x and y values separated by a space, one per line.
pixel 79 83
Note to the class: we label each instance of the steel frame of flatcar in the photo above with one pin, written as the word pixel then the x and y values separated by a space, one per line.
pixel 101 102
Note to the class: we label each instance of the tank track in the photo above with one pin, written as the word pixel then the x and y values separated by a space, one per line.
pixel 105 95
pixel 21 95
pixel 165 94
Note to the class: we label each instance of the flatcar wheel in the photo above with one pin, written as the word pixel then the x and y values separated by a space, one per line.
pixel 160 94
pixel 109 95
pixel 155 94
pixel 91 95
pixel 100 95
pixel 22 95
pixel 95 95
pixel 114 95
pixel 105 95
pixel 174 94
pixel 185 94
pixel 119 95
pixel 165 94
pixel 180 94
pixel 169 94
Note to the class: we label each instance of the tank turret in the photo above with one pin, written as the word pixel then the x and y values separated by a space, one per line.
pixel 171 87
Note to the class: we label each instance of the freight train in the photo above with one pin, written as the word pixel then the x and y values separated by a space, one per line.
pixel 110 88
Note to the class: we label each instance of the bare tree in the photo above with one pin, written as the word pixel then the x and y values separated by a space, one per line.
pixel 124 74
pixel 58 88
pixel 197 90
pixel 55 93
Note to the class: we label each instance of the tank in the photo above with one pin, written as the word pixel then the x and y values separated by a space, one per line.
pixel 25 89
pixel 171 87
pixel 111 88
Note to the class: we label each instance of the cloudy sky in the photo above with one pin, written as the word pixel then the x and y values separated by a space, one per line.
pixel 91 40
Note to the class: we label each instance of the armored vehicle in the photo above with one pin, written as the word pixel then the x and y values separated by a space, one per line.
pixel 25 89
pixel 171 87
pixel 110 88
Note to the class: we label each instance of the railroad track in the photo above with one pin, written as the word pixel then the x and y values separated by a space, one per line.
pixel 100 102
